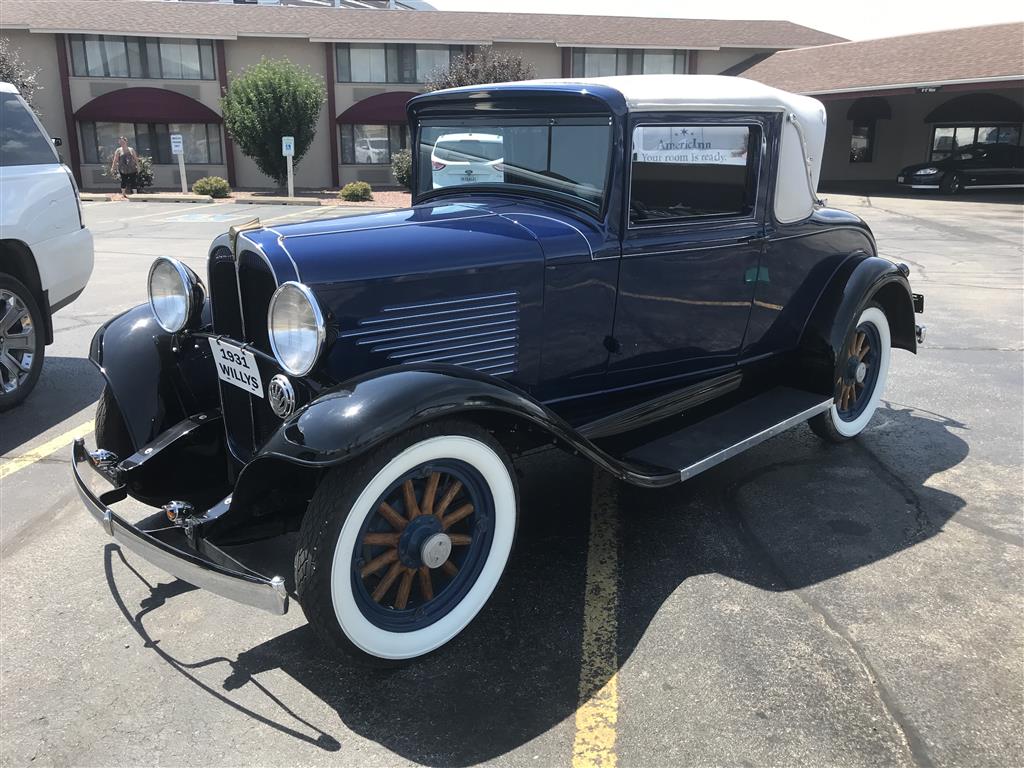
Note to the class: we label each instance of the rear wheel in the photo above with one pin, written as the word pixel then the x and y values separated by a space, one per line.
pixel 22 342
pixel 400 549
pixel 860 379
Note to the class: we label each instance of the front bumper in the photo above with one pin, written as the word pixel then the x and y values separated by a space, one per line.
pixel 249 588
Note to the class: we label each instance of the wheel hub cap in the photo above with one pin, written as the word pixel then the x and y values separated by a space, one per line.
pixel 436 550
pixel 860 373
pixel 17 341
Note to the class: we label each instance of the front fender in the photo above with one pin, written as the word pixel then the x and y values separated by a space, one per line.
pixel 350 420
pixel 156 378
pixel 861 280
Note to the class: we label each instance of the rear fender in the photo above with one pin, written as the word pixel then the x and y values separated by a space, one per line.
pixel 861 280
pixel 157 379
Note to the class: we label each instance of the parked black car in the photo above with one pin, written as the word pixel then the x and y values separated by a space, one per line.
pixel 648 280
pixel 975 166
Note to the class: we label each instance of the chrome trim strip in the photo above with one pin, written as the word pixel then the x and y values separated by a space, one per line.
pixel 352 334
pixel 280 242
pixel 257 591
pixel 387 226
pixel 504 356
pixel 388 339
pixel 994 186
pixel 749 442
pixel 444 339
pixel 405 318
pixel 427 305
pixel 450 348
pixel 551 218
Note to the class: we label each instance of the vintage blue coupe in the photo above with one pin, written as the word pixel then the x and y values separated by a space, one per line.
pixel 644 275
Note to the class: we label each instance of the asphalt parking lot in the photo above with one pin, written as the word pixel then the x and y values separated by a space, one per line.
pixel 803 604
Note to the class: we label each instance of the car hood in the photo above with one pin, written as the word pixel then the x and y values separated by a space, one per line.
pixel 390 244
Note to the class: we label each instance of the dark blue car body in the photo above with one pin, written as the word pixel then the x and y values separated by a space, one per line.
pixel 544 321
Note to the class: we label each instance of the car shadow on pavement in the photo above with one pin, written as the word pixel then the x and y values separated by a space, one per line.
pixel 785 516
pixel 65 387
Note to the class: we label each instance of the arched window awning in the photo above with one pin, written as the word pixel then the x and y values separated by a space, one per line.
pixel 869 108
pixel 146 105
pixel 381 109
pixel 977 108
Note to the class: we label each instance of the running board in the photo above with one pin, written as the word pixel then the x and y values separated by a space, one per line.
pixel 708 443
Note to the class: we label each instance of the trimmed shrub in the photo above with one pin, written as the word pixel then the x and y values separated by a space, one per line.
pixel 214 186
pixel 356 192
pixel 269 100
pixel 401 167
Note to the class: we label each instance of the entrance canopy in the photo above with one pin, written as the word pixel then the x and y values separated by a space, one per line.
pixel 146 105
pixel 977 108
pixel 381 109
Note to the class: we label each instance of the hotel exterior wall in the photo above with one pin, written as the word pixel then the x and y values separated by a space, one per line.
pixel 314 170
pixel 41 51
pixel 716 62
pixel 899 141
pixel 545 58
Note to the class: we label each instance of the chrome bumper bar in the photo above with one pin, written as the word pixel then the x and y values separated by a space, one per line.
pixel 259 592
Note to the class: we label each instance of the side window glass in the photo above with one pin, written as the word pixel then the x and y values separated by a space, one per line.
pixel 21 141
pixel 684 172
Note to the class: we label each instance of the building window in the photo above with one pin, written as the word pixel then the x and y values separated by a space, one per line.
pixel 149 57
pixel 394 63
pixel 862 141
pixel 372 144
pixel 604 62
pixel 202 141
pixel 683 172
pixel 946 139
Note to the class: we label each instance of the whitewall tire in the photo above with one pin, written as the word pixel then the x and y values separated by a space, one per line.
pixel 860 378
pixel 400 549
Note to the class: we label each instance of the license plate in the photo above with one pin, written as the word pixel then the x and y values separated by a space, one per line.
pixel 237 366
pixel 899 179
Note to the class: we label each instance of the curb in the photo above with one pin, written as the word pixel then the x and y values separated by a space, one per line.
pixel 94 197
pixel 313 201
pixel 171 198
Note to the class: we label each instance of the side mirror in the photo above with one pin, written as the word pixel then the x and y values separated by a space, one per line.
pixel 57 141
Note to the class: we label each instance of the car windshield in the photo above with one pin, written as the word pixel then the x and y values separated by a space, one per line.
pixel 565 156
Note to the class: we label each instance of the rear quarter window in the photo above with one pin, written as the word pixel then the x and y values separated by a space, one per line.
pixel 686 172
pixel 21 141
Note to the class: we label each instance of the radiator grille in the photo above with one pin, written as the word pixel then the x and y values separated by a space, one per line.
pixel 477 332
pixel 240 295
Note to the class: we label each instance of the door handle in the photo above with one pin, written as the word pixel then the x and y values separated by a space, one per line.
pixel 754 240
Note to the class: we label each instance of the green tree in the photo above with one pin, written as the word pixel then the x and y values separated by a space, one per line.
pixel 14 70
pixel 269 100
pixel 481 66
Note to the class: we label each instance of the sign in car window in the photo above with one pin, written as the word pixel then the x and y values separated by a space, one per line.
pixel 691 144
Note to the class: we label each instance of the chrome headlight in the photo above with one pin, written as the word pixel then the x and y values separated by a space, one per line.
pixel 926 171
pixel 296 327
pixel 176 294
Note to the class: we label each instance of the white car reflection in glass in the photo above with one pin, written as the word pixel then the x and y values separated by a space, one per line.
pixel 467 158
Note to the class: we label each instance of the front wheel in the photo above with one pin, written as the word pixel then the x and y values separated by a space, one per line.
pixel 951 185
pixel 860 379
pixel 400 549
pixel 21 342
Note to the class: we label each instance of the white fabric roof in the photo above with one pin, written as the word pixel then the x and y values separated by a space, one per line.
pixel 803 132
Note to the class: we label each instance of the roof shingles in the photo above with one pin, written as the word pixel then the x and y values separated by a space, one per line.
pixel 977 53
pixel 230 21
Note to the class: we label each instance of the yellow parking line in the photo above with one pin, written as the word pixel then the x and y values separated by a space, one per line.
pixel 10 466
pixel 598 711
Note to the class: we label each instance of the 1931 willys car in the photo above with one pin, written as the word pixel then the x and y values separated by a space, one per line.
pixel 644 277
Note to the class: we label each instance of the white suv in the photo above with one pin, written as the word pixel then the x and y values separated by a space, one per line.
pixel 45 250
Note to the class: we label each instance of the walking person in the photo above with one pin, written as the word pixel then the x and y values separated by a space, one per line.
pixel 126 163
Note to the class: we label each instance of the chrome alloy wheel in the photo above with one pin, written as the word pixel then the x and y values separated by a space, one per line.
pixel 17 341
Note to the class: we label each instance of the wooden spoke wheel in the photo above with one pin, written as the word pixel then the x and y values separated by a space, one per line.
pixel 401 548
pixel 861 368
pixel 413 546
